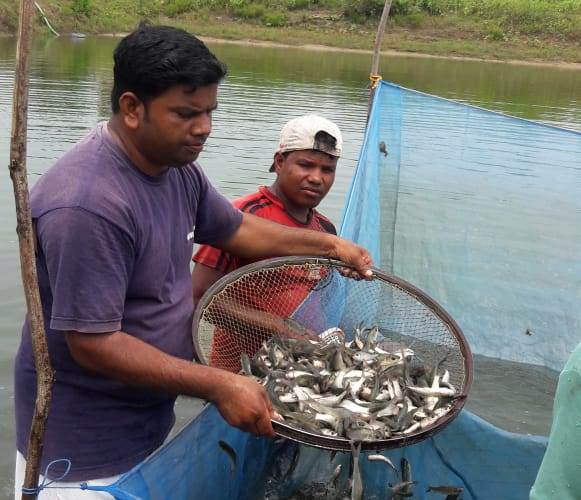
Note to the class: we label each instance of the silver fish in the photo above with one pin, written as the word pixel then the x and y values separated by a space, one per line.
pixel 361 390
pixel 445 490
pixel 440 392
pixel 381 458
pixel 226 448
pixel 356 481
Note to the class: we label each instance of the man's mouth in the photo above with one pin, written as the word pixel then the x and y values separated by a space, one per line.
pixel 311 192
pixel 195 148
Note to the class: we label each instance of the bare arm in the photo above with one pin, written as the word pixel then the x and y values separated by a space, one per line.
pixel 203 277
pixel 257 238
pixel 242 402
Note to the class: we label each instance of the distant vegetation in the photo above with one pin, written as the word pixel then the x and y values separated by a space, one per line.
pixel 542 25
pixel 503 17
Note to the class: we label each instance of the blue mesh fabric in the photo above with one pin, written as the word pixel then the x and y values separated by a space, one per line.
pixel 480 210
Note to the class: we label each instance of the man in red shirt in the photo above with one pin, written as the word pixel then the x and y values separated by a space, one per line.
pixel 305 164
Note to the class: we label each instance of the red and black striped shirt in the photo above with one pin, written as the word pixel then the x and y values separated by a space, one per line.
pixel 264 204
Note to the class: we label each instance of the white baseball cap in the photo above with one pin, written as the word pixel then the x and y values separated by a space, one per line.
pixel 301 133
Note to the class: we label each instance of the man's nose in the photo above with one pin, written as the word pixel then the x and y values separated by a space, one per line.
pixel 315 176
pixel 202 125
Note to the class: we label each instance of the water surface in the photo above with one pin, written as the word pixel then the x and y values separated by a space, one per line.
pixel 70 85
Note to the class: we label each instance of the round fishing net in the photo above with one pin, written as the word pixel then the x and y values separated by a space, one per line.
pixel 312 298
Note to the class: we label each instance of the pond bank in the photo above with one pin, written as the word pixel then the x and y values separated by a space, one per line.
pixel 313 47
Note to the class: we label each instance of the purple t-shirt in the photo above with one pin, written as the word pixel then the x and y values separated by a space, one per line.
pixel 114 252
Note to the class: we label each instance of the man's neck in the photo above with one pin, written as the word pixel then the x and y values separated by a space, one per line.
pixel 127 144
pixel 298 213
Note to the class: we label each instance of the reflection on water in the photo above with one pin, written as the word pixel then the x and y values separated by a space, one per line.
pixel 70 84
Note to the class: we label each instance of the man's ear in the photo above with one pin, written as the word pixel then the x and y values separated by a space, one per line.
pixel 131 109
pixel 278 161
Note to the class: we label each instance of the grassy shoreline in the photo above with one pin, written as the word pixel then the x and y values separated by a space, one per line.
pixel 387 52
pixel 395 41
pixel 449 35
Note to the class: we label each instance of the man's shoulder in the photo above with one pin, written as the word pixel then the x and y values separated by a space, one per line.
pixel 325 222
pixel 65 181
pixel 253 203
pixel 86 177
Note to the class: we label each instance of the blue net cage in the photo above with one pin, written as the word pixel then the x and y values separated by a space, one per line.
pixel 483 212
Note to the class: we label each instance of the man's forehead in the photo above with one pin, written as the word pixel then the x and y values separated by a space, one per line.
pixel 191 94
pixel 314 154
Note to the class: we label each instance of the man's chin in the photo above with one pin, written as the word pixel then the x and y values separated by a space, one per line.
pixel 184 160
pixel 310 203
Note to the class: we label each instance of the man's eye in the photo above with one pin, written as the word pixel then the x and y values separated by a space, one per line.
pixel 186 115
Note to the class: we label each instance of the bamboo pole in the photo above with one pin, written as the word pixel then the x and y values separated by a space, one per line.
pixel 26 243
pixel 377 51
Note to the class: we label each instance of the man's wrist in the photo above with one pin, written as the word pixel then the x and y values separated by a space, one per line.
pixel 332 247
pixel 215 382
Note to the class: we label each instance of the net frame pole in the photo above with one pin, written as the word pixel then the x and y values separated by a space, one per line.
pixel 26 243
pixel 377 52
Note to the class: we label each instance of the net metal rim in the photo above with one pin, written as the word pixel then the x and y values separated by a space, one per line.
pixel 335 443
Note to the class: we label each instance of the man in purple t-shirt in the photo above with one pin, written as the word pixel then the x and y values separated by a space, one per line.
pixel 116 219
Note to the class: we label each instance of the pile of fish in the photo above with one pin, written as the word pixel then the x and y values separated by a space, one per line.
pixel 363 390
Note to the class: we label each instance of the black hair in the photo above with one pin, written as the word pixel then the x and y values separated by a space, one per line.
pixel 152 59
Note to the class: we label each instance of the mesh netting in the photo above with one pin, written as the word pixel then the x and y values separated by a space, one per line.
pixel 241 315
pixel 298 296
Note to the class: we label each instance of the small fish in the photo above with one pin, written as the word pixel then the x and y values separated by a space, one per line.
pixel 445 490
pixel 413 428
pixel 370 388
pixel 383 148
pixel 391 410
pixel 364 357
pixel 401 489
pixel 361 434
pixel 440 392
pixel 226 448
pixel 259 365
pixel 295 330
pixel 337 363
pixel 381 458
pixel 356 481
pixel 371 340
pixel 335 476
pixel 332 400
pixel 354 407
pixel 328 419
pixel 245 363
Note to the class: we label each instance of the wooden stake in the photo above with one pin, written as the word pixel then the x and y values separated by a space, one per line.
pixel 377 50
pixel 26 241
